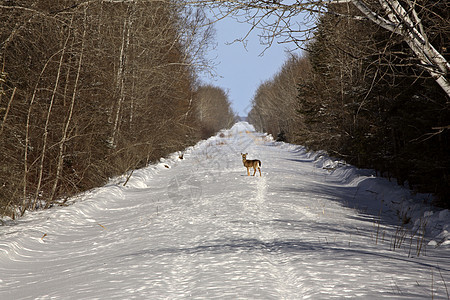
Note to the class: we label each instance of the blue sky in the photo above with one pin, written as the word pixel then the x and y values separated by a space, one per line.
pixel 241 70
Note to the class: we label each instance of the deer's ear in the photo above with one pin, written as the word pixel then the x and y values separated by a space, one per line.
pixel 246 153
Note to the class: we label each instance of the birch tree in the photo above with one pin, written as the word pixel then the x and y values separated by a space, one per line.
pixel 294 21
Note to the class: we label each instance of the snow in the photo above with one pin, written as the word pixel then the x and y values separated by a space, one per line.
pixel 310 228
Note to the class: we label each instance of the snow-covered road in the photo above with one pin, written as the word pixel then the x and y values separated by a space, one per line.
pixel 200 228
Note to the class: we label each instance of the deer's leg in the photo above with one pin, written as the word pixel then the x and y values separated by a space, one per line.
pixel 259 169
pixel 254 169
pixel 248 171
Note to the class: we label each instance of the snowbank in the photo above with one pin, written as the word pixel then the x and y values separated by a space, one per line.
pixel 414 208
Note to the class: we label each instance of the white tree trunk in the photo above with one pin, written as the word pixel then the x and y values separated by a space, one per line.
pixel 69 118
pixel 120 85
pixel 47 122
pixel 401 23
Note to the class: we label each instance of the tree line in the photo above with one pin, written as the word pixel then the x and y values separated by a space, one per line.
pixel 360 93
pixel 93 89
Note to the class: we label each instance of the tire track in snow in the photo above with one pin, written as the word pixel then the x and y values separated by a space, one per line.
pixel 284 279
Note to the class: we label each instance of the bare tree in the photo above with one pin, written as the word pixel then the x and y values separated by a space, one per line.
pixel 91 89
pixel 274 105
pixel 295 21
pixel 213 109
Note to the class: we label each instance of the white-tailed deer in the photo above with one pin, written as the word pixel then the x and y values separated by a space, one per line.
pixel 251 163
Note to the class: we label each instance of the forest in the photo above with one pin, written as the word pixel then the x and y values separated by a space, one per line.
pixel 359 93
pixel 93 89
